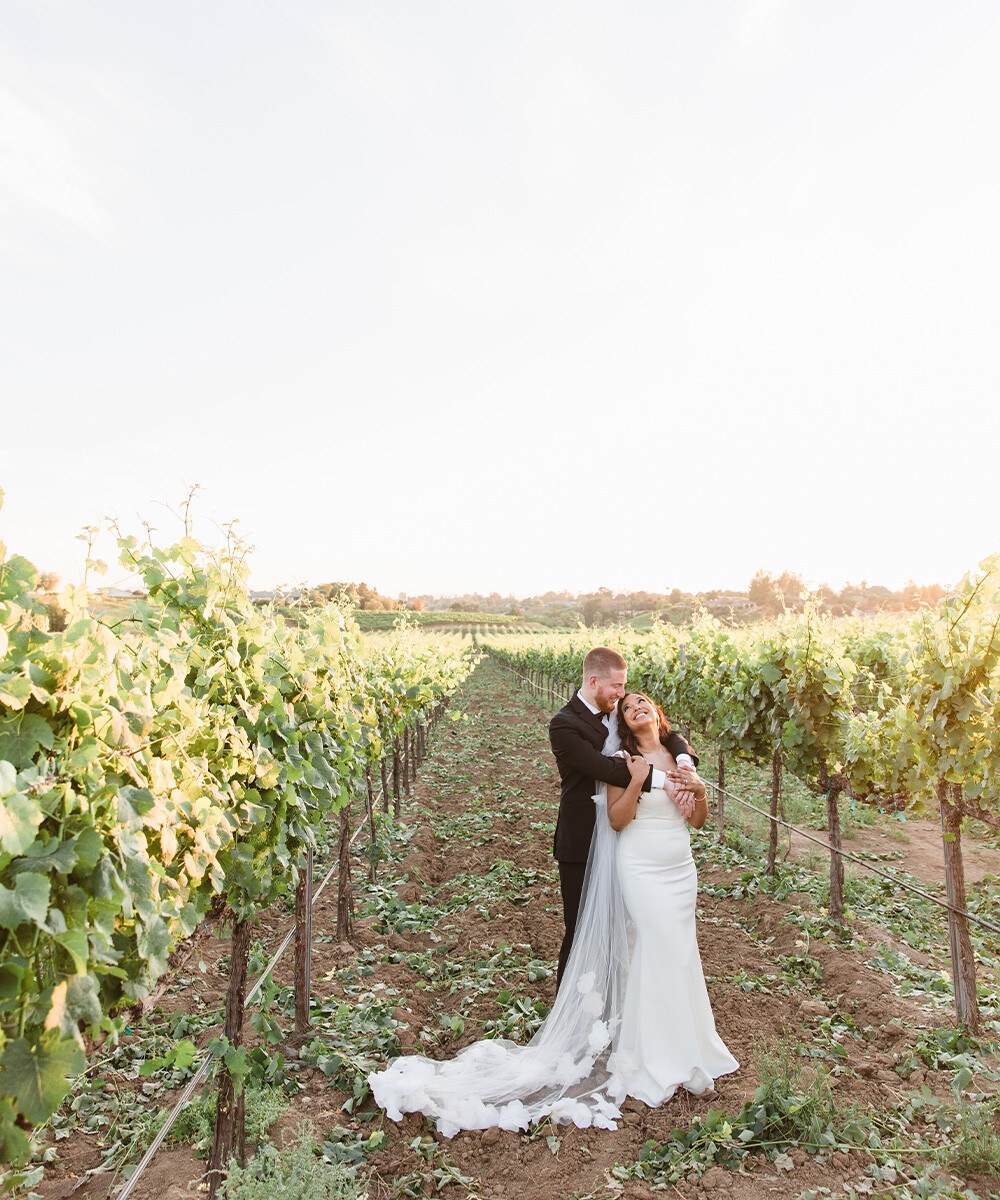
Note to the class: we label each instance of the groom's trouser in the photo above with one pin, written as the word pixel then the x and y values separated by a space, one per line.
pixel 571 885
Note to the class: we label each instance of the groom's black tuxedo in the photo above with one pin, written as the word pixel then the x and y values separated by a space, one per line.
pixel 576 736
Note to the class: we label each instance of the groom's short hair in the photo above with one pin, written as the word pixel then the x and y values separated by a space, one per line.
pixel 601 661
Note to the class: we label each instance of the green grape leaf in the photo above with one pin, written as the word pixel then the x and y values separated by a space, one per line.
pixel 49 854
pixel 15 691
pixel 153 943
pixel 89 847
pixel 180 1057
pixel 84 755
pixel 11 975
pixel 17 576
pixel 75 941
pixel 8 778
pixel 27 902
pixel 20 817
pixel 83 1002
pixel 14 1146
pixel 22 737
pixel 133 804
pixel 37 1076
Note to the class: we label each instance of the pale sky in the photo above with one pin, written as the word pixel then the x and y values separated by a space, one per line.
pixel 450 296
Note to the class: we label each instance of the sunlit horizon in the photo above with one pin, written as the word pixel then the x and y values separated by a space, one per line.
pixel 212 533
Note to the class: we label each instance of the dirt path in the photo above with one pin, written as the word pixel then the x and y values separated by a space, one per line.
pixel 914 847
pixel 462 944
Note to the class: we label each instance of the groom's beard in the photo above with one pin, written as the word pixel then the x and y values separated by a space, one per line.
pixel 605 701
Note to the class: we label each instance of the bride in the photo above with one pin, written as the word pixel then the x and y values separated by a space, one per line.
pixel 632 1015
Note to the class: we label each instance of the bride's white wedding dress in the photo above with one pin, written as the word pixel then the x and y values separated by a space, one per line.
pixel 668 1037
pixel 632 1016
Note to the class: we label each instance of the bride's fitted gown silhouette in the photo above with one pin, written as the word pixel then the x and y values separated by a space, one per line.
pixel 632 1016
pixel 668 1037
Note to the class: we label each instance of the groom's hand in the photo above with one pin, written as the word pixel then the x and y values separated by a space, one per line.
pixel 688 789
pixel 638 767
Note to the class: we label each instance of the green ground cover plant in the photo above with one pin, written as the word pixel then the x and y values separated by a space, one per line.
pixel 293 1174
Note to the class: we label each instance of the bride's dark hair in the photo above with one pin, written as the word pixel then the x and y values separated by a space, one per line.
pixel 627 737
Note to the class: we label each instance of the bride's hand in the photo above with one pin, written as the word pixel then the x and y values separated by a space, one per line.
pixel 686 779
pixel 687 786
pixel 685 802
pixel 638 767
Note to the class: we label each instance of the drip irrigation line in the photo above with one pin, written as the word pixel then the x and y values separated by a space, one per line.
pixel 895 879
pixel 202 1071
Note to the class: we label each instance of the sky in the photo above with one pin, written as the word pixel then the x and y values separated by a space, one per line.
pixel 506 296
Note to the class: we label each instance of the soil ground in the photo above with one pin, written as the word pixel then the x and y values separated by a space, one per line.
pixel 461 943
pixel 920 852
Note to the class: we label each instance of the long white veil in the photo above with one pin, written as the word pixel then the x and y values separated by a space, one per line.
pixel 567 1071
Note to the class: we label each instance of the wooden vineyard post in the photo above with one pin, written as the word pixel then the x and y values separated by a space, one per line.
pixel 230 1133
pixel 720 803
pixel 383 767
pixel 836 858
pixel 963 962
pixel 373 848
pixel 406 762
pixel 772 842
pixel 396 762
pixel 303 945
pixel 345 899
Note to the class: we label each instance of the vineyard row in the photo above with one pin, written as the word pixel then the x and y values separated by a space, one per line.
pixel 183 756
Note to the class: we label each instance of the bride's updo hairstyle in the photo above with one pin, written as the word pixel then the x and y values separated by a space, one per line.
pixel 627 737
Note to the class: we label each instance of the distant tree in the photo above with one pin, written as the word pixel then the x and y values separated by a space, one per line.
pixel 417 605
pixel 789 586
pixel 763 591
pixel 48 581
pixel 57 615
pixel 591 607
pixel 610 605
pixel 358 594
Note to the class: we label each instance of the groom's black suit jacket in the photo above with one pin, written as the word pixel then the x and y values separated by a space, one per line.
pixel 576 736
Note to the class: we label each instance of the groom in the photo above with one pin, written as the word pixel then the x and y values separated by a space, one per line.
pixel 577 733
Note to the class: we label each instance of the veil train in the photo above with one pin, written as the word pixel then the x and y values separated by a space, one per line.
pixel 568 1072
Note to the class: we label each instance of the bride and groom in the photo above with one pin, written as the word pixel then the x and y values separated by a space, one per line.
pixel 632 1015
